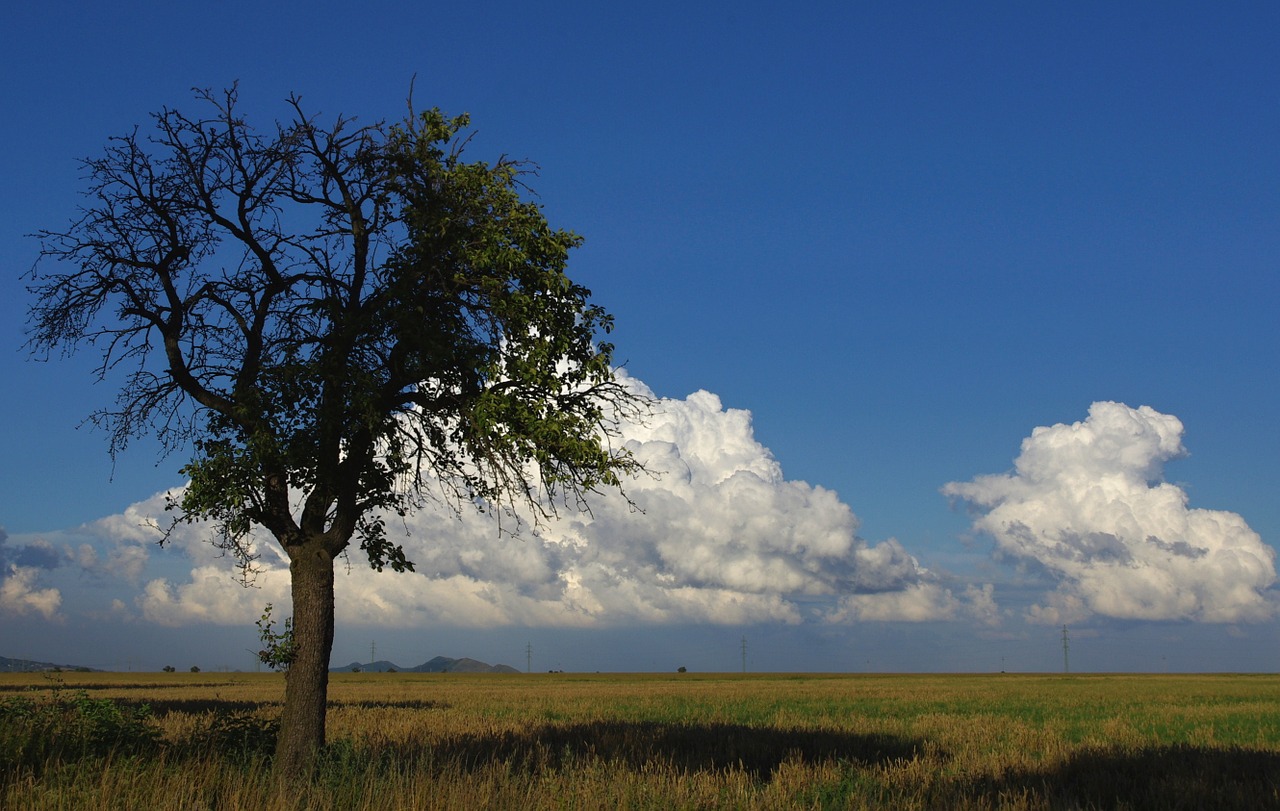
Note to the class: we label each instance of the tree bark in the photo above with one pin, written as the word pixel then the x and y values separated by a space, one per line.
pixel 307 680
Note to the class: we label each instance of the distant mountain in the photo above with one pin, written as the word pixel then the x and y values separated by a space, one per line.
pixel 443 664
pixel 380 666
pixel 28 666
pixel 440 664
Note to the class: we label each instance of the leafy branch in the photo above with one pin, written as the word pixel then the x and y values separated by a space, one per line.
pixel 278 649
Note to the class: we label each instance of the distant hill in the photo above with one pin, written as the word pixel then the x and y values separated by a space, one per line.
pixel 380 666
pixel 440 664
pixel 443 664
pixel 27 666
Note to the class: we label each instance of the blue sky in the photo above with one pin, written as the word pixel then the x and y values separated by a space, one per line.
pixel 902 236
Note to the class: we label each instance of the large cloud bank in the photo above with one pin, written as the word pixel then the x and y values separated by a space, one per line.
pixel 1086 505
pixel 720 536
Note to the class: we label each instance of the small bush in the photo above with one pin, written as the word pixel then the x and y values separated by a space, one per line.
pixel 34 732
pixel 240 735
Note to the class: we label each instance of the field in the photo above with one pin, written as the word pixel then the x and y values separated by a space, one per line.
pixel 81 740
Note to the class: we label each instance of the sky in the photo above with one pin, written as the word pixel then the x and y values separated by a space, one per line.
pixel 959 319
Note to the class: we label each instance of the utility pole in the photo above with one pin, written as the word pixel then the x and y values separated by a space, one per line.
pixel 373 647
pixel 1066 645
pixel 744 654
pixel 528 657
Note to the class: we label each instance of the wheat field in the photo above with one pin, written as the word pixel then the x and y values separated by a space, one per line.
pixel 566 741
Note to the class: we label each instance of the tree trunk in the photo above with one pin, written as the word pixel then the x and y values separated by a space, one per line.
pixel 307 680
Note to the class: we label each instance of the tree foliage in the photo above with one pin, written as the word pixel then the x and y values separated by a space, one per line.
pixel 337 322
pixel 278 647
pixel 422 324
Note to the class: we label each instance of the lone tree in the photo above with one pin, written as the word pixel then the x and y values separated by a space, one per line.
pixel 338 322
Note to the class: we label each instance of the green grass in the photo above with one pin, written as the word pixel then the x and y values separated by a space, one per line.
pixel 654 741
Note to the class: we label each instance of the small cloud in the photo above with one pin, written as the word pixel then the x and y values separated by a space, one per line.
pixel 20 568
pixel 20 595
pixel 37 554
pixel 919 602
pixel 980 604
pixel 923 601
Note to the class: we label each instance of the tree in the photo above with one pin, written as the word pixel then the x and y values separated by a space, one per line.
pixel 338 323
pixel 168 668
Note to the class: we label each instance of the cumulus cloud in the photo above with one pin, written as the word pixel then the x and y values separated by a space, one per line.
pixel 919 602
pixel 19 594
pixel 20 569
pixel 1087 505
pixel 717 535
pixel 110 547
pixel 211 596
pixel 36 554
pixel 125 561
pixel 720 536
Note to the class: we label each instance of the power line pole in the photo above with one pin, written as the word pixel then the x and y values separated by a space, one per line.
pixel 744 654
pixel 1066 645
pixel 373 647
pixel 528 657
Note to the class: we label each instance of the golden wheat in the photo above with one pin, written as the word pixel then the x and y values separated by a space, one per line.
pixel 759 741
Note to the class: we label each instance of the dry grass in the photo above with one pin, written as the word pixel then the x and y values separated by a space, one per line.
pixel 689 741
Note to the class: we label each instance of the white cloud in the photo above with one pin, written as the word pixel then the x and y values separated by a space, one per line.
pixel 19 594
pixel 21 566
pixel 921 602
pixel 114 547
pixel 213 596
pixel 1087 504
pixel 721 536
pixel 916 603
pixel 139 525
pixel 125 561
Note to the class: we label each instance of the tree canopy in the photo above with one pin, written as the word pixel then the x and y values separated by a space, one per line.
pixel 335 323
